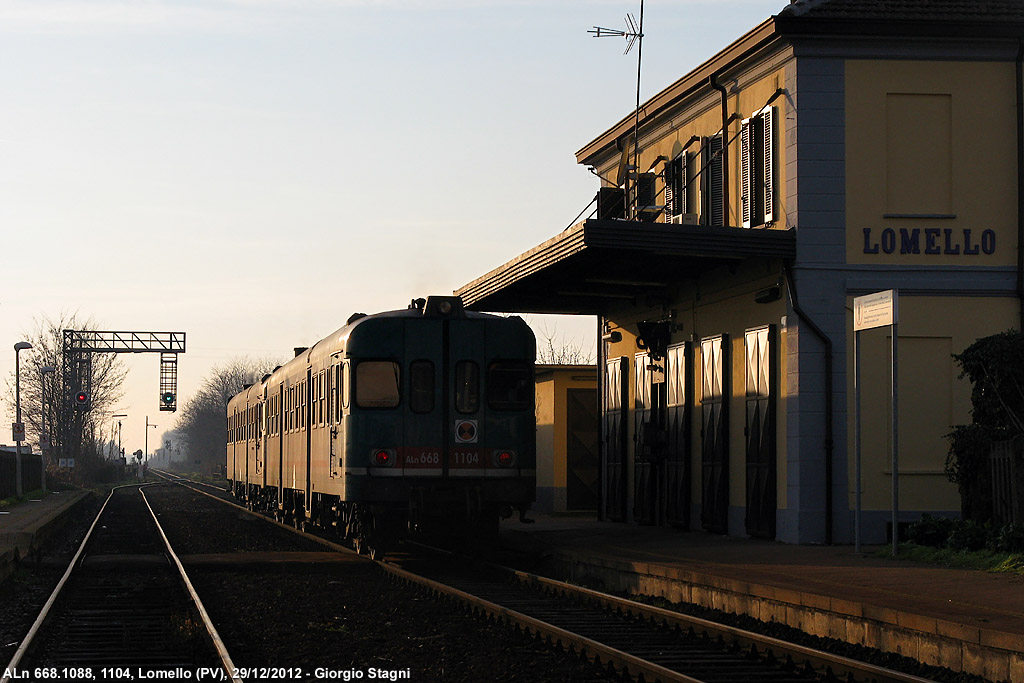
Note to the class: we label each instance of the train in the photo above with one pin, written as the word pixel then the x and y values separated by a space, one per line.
pixel 403 421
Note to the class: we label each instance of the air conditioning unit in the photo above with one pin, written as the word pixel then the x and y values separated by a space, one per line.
pixel 685 219
pixel 611 203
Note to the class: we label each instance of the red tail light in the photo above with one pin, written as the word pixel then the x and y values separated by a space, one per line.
pixel 384 457
pixel 505 458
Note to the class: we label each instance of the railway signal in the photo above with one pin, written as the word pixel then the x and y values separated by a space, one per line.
pixel 167 400
pixel 82 400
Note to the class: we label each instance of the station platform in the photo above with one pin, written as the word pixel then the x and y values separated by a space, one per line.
pixel 965 620
pixel 25 525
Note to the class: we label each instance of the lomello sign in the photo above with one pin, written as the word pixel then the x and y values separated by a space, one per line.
pixel 932 241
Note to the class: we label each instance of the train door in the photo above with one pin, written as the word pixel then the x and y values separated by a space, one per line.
pixel 466 438
pixel 679 382
pixel 261 441
pixel 714 432
pixel 614 433
pixel 424 422
pixel 337 404
pixel 760 431
pixel 648 439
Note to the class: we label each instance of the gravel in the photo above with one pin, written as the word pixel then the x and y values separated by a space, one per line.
pixel 345 618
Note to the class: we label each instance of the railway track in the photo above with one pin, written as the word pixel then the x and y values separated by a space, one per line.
pixel 123 609
pixel 647 641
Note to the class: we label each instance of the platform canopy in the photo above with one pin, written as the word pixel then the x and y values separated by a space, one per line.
pixel 598 262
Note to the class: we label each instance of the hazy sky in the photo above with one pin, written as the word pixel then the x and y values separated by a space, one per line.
pixel 251 172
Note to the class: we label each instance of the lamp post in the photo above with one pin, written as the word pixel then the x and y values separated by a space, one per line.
pixel 44 438
pixel 19 428
pixel 146 451
pixel 115 417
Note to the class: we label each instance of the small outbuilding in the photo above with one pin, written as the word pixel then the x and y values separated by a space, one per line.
pixel 568 465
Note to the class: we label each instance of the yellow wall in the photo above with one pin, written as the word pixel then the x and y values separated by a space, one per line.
pixel 932 397
pixel 933 138
pixel 546 435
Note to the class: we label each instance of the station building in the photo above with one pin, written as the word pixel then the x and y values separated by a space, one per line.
pixel 839 148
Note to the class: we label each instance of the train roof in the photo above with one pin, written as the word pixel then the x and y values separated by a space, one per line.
pixel 431 307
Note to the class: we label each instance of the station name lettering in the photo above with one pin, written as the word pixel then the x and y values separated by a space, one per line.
pixel 933 241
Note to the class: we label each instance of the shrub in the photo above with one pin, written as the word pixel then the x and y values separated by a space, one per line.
pixel 968 535
pixel 930 531
pixel 1009 539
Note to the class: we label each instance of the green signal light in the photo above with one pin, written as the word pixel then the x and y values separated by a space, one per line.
pixel 167 397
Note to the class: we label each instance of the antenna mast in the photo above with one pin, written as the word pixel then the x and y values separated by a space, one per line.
pixel 634 35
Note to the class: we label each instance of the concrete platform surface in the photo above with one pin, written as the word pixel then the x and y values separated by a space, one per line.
pixel 964 619
pixel 23 526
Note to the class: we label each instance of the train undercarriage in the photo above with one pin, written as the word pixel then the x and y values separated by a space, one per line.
pixel 375 528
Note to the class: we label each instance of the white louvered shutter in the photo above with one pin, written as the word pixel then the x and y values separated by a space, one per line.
pixel 768 162
pixel 747 179
pixel 670 197
pixel 683 183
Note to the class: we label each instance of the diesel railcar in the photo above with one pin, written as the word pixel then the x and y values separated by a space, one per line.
pixel 400 420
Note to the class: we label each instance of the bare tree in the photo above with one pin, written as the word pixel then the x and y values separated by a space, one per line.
pixel 555 350
pixel 202 424
pixel 108 373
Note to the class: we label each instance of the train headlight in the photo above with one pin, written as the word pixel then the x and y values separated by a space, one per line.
pixel 505 458
pixel 383 457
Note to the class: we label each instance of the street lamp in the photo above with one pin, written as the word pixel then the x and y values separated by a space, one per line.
pixel 120 451
pixel 19 428
pixel 44 438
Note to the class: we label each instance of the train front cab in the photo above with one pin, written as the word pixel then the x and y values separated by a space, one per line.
pixel 440 428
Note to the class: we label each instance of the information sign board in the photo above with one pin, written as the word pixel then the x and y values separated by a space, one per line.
pixel 874 310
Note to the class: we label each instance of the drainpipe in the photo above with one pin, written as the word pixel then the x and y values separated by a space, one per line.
pixel 828 397
pixel 1020 179
pixel 713 81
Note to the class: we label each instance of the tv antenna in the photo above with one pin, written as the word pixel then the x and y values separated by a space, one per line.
pixel 634 35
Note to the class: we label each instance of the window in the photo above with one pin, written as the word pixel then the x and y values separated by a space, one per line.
pixel 711 196
pixel 467 386
pixel 645 200
pixel 377 384
pixel 757 168
pixel 340 393
pixel 681 188
pixel 510 386
pixel 421 386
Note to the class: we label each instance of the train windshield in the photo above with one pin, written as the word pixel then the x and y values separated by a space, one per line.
pixel 509 386
pixel 377 384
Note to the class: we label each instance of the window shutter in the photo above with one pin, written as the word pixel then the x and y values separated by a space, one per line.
pixel 746 173
pixel 711 185
pixel 670 196
pixel 768 162
pixel 685 177
pixel 675 188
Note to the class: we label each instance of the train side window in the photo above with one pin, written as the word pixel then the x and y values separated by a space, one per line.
pixel 377 384
pixel 322 389
pixel 509 386
pixel 467 386
pixel 346 385
pixel 339 391
pixel 421 386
